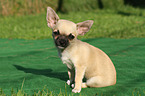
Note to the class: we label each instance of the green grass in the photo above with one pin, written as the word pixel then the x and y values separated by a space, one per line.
pixel 43 92
pixel 38 63
pixel 124 23
pixel 47 92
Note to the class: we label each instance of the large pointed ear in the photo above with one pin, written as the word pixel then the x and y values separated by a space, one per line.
pixel 84 27
pixel 51 17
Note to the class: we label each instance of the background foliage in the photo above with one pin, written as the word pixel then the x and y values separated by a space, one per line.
pixel 23 7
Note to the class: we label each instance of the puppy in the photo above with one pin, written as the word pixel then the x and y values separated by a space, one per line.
pixel 82 59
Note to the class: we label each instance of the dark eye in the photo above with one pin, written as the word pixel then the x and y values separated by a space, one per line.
pixel 70 36
pixel 56 32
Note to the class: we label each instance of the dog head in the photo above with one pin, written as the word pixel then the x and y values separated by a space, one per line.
pixel 63 31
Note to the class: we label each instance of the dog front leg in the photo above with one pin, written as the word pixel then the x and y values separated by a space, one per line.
pixel 71 74
pixel 79 74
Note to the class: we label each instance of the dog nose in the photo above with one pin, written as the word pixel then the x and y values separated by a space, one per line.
pixel 62 41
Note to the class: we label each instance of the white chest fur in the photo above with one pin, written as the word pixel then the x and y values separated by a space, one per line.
pixel 65 57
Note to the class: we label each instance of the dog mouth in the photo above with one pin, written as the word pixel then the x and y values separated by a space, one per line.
pixel 60 47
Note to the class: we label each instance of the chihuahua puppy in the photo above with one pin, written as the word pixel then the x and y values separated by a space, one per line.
pixel 82 59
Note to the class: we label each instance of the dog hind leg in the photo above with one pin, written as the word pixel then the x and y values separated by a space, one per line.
pixel 96 81
pixel 84 85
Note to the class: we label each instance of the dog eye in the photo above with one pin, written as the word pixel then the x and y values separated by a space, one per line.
pixel 56 32
pixel 70 36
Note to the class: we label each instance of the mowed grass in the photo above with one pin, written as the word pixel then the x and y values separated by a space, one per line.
pixel 27 66
pixel 123 23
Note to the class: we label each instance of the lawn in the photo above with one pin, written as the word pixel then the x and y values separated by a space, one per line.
pixel 123 23
pixel 36 62
pixel 28 56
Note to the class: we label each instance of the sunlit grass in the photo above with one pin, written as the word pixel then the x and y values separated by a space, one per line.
pixel 107 23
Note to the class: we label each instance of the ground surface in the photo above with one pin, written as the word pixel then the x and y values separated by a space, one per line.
pixel 37 62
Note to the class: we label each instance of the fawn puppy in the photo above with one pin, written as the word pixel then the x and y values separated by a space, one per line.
pixel 82 59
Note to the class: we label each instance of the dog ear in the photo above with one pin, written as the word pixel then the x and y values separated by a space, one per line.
pixel 84 27
pixel 51 17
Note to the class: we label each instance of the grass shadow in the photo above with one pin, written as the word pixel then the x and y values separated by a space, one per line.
pixel 129 14
pixel 46 72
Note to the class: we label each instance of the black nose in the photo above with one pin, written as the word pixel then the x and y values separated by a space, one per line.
pixel 62 41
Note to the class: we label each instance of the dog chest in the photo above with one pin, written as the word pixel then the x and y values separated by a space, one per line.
pixel 66 60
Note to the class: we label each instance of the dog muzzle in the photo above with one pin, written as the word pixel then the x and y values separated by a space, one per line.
pixel 62 41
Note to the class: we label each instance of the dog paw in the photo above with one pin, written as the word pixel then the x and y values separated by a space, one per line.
pixel 68 82
pixel 76 90
pixel 72 85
